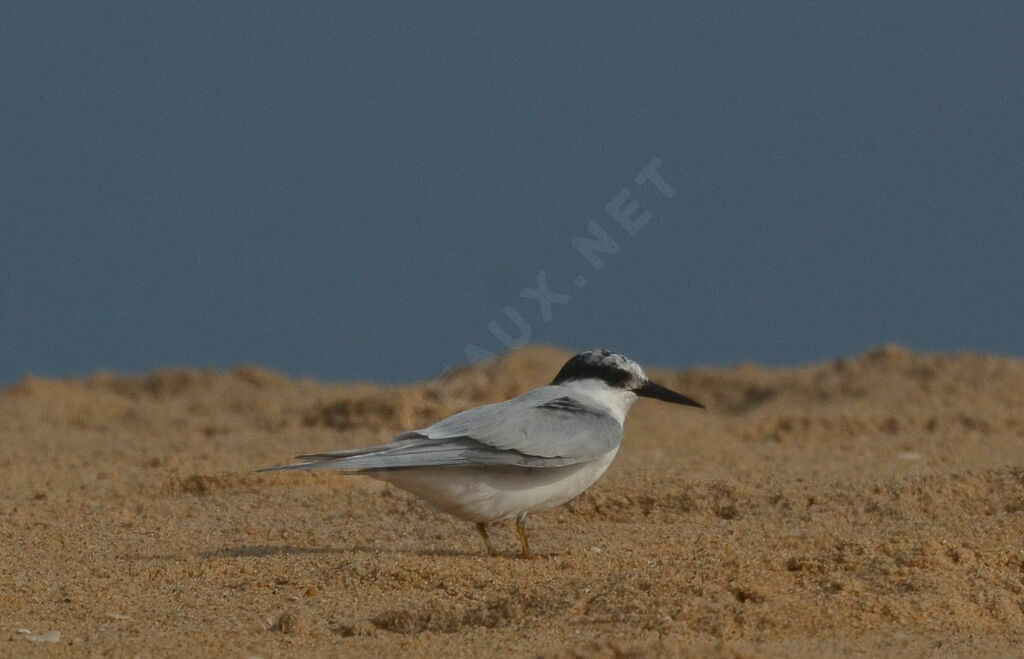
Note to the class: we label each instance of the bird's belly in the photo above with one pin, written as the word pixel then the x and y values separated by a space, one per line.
pixel 487 494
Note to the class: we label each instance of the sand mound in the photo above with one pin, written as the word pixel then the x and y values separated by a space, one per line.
pixel 871 504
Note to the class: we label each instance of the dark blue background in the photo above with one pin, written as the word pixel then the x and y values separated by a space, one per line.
pixel 357 192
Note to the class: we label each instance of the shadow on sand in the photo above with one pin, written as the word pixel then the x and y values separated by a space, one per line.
pixel 263 551
pixel 257 551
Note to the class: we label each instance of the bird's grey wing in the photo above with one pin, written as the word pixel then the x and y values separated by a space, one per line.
pixel 463 423
pixel 541 428
pixel 539 423
pixel 419 452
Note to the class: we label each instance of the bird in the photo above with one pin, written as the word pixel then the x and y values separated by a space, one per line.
pixel 506 460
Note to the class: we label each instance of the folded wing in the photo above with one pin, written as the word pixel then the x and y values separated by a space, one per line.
pixel 537 429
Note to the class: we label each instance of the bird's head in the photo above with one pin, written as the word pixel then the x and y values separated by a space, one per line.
pixel 616 372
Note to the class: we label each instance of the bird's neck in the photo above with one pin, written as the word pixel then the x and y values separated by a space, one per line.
pixel 616 402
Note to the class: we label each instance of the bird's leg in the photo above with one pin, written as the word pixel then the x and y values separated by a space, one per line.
pixel 482 528
pixel 521 529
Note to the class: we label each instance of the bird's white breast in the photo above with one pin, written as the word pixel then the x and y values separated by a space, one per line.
pixel 488 494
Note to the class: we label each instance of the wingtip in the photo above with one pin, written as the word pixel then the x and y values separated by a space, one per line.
pixel 282 467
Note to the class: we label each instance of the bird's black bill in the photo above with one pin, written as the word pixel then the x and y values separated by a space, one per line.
pixel 651 390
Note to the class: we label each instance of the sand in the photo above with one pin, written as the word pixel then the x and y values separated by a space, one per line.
pixel 870 505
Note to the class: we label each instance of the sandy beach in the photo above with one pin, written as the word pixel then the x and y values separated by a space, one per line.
pixel 871 504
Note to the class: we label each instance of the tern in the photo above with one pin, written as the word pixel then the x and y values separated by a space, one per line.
pixel 507 460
